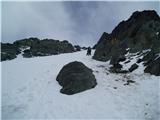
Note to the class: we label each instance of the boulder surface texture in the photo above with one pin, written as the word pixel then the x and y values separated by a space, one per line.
pixel 75 77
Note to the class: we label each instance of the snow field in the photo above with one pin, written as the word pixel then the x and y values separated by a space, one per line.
pixel 30 91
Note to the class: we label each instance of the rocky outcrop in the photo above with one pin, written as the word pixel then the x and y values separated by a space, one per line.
pixel 51 47
pixel 152 63
pixel 27 53
pixel 77 48
pixel 27 42
pixel 9 51
pixel 31 47
pixel 84 48
pixel 75 77
pixel 153 67
pixel 117 68
pixel 133 67
pixel 139 32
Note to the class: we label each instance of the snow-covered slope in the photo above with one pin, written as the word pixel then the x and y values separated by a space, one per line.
pixel 30 91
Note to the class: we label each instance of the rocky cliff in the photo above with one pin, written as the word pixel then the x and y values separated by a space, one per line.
pixel 140 32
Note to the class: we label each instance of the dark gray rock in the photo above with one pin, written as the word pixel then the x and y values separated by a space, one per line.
pixel 153 67
pixel 117 70
pixel 51 47
pixel 152 62
pixel 149 57
pixel 139 60
pixel 9 51
pixel 129 81
pixel 127 61
pixel 117 66
pixel 103 48
pixel 84 48
pixel 101 40
pixel 121 58
pixel 75 77
pixel 77 48
pixel 34 47
pixel 133 67
pixel 26 42
pixel 27 53
pixel 7 56
pixel 137 33
pixel 123 71
pixel 140 32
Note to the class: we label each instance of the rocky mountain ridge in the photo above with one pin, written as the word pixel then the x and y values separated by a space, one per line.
pixel 32 47
pixel 140 32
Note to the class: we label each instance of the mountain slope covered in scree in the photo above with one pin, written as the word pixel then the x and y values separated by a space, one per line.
pixel 30 91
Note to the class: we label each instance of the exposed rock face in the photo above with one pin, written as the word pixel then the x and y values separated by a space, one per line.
pixel 27 53
pixel 133 67
pixel 103 48
pixel 75 77
pixel 152 63
pixel 153 67
pixel 51 47
pixel 101 40
pixel 35 47
pixel 27 42
pixel 9 51
pixel 139 32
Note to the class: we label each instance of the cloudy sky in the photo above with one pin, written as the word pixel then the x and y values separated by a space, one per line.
pixel 78 22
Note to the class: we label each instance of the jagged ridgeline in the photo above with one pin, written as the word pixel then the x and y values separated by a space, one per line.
pixel 140 32
pixel 34 47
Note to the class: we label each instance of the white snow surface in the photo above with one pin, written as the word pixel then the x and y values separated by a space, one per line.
pixel 30 91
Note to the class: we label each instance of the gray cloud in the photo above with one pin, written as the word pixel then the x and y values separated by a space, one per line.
pixel 79 22
pixel 43 20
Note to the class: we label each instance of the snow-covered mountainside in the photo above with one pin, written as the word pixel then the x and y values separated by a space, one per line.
pixel 30 91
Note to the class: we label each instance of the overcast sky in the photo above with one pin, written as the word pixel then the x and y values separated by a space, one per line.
pixel 78 22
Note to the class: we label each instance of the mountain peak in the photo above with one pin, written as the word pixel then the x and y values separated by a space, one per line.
pixel 136 20
pixel 144 15
pixel 139 33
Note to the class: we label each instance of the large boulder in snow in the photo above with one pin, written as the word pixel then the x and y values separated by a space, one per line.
pixel 75 77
